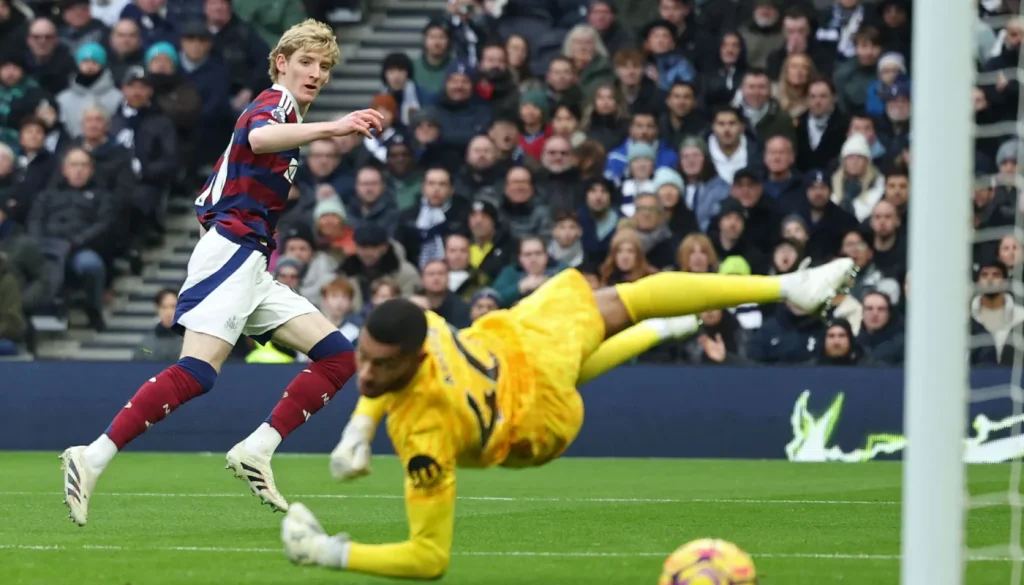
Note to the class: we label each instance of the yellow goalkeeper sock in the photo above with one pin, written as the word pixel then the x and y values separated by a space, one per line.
pixel 669 294
pixel 618 349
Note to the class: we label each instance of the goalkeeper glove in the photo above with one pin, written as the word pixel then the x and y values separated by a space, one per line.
pixel 351 458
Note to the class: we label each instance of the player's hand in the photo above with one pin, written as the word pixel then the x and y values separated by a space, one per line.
pixel 362 122
pixel 351 458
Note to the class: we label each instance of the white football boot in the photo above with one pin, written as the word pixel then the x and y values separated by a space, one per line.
pixel 79 481
pixel 306 543
pixel 814 289
pixel 254 469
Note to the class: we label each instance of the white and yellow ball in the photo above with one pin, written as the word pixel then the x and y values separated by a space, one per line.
pixel 708 561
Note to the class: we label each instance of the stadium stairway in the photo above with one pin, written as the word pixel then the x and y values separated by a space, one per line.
pixel 390 26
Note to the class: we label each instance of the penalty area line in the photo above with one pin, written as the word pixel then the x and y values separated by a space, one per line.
pixel 299 497
pixel 557 555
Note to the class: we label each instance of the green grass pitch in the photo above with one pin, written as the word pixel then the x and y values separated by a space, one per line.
pixel 182 519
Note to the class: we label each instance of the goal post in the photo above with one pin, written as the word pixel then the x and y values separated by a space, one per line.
pixel 937 371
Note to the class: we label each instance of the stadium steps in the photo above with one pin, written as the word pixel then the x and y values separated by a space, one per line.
pixel 131 315
pixel 392 26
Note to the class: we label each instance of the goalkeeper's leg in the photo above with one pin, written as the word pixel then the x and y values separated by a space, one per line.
pixel 634 341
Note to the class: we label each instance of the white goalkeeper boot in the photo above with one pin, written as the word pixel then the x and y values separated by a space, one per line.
pixel 813 290
pixel 306 543
pixel 79 481
pixel 254 469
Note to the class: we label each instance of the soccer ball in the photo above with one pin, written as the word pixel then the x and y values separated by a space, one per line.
pixel 708 561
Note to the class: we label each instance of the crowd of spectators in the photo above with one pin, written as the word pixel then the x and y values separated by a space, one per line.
pixel 618 138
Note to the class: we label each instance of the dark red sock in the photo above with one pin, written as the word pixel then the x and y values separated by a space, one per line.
pixel 157 398
pixel 311 390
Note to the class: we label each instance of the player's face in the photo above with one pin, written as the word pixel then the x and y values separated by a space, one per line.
pixel 304 74
pixel 382 368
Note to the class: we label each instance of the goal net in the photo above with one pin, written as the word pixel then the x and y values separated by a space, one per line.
pixel 959 269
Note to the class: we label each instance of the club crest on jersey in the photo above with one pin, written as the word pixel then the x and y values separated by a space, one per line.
pixel 289 174
pixel 280 114
pixel 424 472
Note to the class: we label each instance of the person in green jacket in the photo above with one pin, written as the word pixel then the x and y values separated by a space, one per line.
pixel 430 70
pixel 583 46
pixel 532 270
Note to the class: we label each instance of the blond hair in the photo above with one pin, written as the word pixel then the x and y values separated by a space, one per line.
pixel 310 35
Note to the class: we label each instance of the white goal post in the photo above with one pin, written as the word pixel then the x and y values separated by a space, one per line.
pixel 937 376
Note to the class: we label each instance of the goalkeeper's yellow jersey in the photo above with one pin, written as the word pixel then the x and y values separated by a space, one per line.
pixel 460 409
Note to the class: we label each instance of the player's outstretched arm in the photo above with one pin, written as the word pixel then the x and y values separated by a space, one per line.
pixel 351 458
pixel 281 137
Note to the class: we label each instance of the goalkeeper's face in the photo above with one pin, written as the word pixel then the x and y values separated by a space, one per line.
pixel 384 368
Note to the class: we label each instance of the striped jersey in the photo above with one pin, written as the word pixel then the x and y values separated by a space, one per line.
pixel 247 192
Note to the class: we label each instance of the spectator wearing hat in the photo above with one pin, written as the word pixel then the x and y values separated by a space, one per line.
pixel 141 126
pixel 826 222
pixel 995 315
pixel 440 298
pixel 894 127
pixel 882 334
pixel 762 32
pixel 668 64
pixel 79 25
pixel 639 172
pixel 857 185
pixel 396 76
pixel 209 74
pixel 48 62
pixel 153 26
pixel 683 115
pixel 461 116
pixel 428 144
pixel 372 203
pixel 787 257
pixel 1006 160
pixel 839 348
pixel 421 229
pixel 703 190
pixel 532 268
pixel 599 217
pixel 404 179
pixel 331 224
pixel 522 213
pixel 482 302
pixel 668 185
pixel 764 117
pixel 391 127
pixel 376 257
pixel 176 96
pixel 316 268
pixel 728 235
pixel 431 69
pixel 19 96
pixel 822 130
pixel 894 25
pixel 892 68
pixel 490 247
pixel 853 78
pixel 589 57
pixel 643 128
pixel 242 50
pixel 730 146
pixel 125 49
pixel 93 85
pixel 482 173
pixel 763 215
pixel 782 183
pixel 534 118
pixel 602 16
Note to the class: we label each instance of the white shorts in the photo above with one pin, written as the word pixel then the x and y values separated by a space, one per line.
pixel 228 292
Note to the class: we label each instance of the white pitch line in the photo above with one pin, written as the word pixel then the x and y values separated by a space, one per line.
pixel 493 498
pixel 259 550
